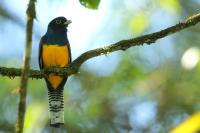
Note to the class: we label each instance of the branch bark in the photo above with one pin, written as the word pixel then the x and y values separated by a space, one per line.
pixel 26 67
pixel 121 45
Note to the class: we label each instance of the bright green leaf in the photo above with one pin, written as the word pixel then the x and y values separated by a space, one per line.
pixel 91 4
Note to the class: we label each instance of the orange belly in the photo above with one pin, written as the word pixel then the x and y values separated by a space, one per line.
pixel 55 55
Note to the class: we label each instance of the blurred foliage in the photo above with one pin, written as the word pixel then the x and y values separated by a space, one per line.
pixel 6 14
pixel 149 91
pixel 173 5
pixel 91 4
pixel 3 12
pixel 139 23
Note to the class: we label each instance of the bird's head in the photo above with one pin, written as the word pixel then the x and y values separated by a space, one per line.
pixel 59 23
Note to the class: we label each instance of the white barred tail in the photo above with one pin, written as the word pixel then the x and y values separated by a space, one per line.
pixel 56 106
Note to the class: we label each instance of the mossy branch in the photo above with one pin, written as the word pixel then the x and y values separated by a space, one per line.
pixel 121 45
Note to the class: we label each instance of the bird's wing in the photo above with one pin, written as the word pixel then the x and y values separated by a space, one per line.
pixel 40 53
pixel 70 55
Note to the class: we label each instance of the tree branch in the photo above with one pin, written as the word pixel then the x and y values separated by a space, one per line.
pixel 24 72
pixel 121 45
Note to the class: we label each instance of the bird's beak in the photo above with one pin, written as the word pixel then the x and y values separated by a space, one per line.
pixel 68 22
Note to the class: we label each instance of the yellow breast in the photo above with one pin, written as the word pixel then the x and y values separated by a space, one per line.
pixel 55 55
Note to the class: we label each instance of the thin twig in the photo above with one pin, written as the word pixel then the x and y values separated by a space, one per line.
pixel 121 45
pixel 25 71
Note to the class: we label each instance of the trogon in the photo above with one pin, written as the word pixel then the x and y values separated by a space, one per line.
pixel 54 50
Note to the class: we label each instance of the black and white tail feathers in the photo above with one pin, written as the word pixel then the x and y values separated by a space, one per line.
pixel 56 107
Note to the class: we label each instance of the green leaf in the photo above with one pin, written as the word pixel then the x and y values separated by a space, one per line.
pixel 91 4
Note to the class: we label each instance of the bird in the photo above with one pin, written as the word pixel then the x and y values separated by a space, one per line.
pixel 55 51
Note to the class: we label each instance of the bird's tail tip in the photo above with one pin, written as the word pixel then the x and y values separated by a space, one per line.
pixel 56 125
pixel 56 118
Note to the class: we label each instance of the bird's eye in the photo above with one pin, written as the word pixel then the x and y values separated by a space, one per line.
pixel 58 21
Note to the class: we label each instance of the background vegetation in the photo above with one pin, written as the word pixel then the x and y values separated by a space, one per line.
pixel 147 89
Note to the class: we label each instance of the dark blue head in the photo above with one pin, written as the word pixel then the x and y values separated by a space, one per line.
pixel 57 31
pixel 59 24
